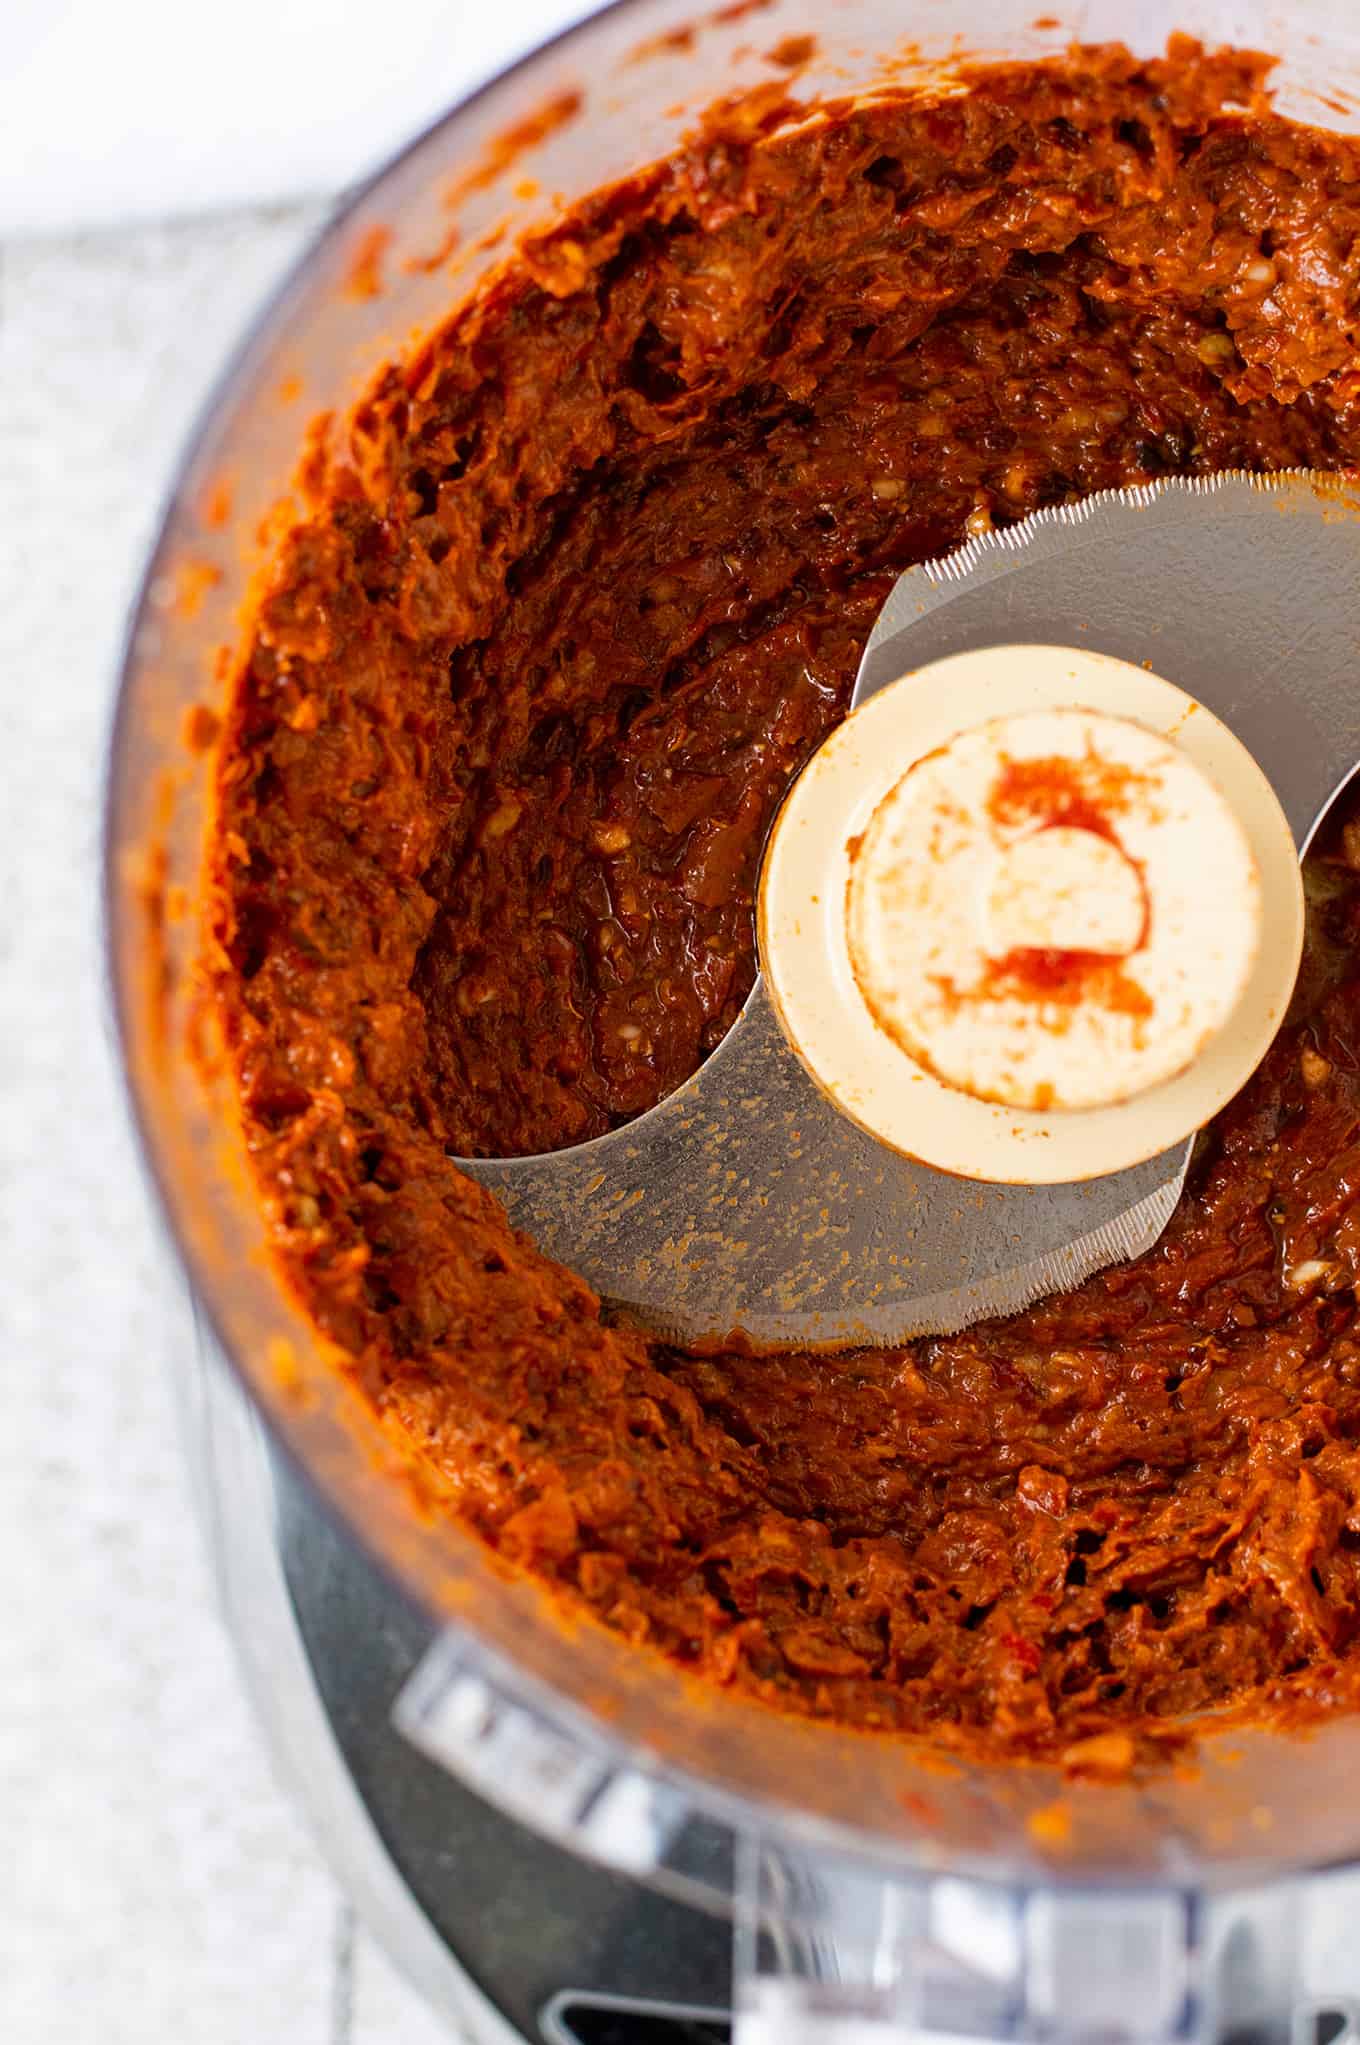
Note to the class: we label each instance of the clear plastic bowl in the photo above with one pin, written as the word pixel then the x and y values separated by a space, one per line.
pixel 1259 1804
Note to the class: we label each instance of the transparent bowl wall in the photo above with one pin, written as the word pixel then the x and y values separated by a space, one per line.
pixel 1259 1803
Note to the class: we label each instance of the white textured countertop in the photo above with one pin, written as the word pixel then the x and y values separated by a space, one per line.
pixel 154 1884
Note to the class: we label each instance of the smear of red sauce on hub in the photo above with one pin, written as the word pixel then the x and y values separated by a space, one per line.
pixel 1080 795
pixel 1066 978
pixel 1076 795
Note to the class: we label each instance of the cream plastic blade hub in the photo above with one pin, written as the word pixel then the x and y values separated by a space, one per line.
pixel 1055 911
pixel 748 1198
pixel 1038 948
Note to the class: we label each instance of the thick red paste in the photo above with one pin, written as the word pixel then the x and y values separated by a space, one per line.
pixel 587 583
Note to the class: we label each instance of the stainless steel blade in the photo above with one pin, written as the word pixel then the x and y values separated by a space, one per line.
pixel 746 1200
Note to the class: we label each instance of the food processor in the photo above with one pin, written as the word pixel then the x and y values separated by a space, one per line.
pixel 559 1839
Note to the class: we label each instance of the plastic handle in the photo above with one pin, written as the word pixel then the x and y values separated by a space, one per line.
pixel 829 1953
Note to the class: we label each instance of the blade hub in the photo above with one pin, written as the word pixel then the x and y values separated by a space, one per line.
pixel 1064 936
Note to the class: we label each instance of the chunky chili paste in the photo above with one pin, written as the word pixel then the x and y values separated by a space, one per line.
pixel 585 585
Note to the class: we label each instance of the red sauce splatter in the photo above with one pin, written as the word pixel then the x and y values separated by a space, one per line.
pixel 792 51
pixel 1065 979
pixel 439 255
pixel 202 727
pixel 215 509
pixel 921 1807
pixel 504 149
pixel 363 279
pixel 1050 1825
pixel 193 581
pixel 668 43
pixel 1082 795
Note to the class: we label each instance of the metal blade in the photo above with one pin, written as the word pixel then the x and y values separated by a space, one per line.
pixel 746 1200
pixel 1241 589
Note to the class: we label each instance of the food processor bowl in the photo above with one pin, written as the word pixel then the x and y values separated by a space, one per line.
pixel 876 1887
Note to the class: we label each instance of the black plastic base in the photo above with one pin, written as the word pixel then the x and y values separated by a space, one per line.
pixel 569 1954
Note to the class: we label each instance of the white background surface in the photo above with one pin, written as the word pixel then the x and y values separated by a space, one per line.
pixel 154 1885
pixel 118 110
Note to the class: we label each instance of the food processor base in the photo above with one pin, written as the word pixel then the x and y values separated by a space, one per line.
pixel 509 1937
pixel 518 1941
